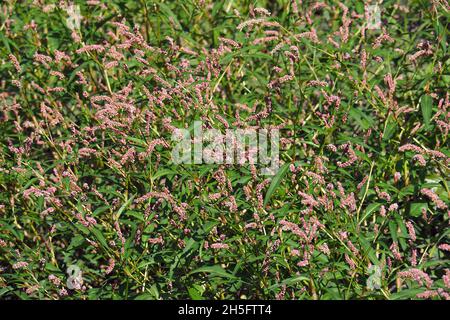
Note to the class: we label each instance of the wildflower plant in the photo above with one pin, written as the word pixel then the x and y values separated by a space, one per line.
pixel 92 205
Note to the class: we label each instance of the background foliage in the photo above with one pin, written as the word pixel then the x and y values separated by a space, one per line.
pixel 86 117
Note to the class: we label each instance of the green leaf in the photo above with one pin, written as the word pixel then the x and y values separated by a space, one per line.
pixel 362 118
pixel 76 242
pixel 389 131
pixel 426 105
pixel 214 270
pixel 406 294
pixel 370 208
pixel 123 207
pixel 195 292
pixel 369 250
pixel 290 281
pixel 165 9
pixel 393 230
pixel 416 208
pixel 99 236
pixel 275 182
pixel 5 290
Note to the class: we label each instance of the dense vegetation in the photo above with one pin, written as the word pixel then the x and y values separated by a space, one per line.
pixel 92 207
